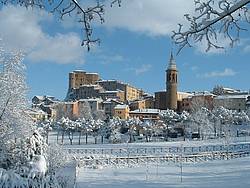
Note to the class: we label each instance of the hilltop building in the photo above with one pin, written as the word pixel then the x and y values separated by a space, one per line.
pixel 130 92
pixel 79 78
pixel 83 85
pixel 121 111
pixel 232 102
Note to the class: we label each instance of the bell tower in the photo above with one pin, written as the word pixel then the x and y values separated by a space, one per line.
pixel 171 84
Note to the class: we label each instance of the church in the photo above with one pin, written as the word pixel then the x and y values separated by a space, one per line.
pixel 170 98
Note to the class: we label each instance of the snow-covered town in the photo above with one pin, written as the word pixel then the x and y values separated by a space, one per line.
pixel 145 108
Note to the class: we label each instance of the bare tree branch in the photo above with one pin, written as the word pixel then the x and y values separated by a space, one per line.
pixel 229 14
pixel 85 16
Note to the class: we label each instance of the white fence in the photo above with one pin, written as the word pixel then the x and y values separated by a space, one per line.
pixel 135 156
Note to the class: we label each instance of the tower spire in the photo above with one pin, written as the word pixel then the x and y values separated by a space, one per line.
pixel 172 64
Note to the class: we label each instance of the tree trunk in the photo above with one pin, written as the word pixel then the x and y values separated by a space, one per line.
pixel 80 134
pixel 86 138
pixel 57 136
pixel 62 137
pixel 102 139
pixel 47 137
pixel 71 137
pixel 215 131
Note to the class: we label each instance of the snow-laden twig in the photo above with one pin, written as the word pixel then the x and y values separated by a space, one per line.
pixel 213 17
pixel 84 13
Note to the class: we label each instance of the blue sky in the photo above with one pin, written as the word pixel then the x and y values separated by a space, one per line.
pixel 135 48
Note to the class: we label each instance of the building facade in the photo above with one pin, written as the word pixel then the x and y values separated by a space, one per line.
pixel 145 114
pixel 117 95
pixel 197 100
pixel 78 78
pixel 161 100
pixel 87 91
pixel 130 92
pixel 121 111
pixel 232 102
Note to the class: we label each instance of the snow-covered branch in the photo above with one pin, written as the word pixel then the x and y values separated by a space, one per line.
pixel 83 12
pixel 213 17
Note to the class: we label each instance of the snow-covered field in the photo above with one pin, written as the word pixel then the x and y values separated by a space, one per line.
pixel 216 174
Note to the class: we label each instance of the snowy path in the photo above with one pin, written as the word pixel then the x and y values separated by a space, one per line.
pixel 215 174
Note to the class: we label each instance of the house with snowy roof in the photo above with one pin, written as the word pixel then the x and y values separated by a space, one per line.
pixel 145 114
pixel 121 111
pixel 232 102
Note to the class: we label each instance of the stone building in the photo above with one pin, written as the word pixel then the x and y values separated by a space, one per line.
pixel 94 104
pixel 78 78
pixel 117 95
pixel 86 91
pixel 84 85
pixel 232 102
pixel 109 106
pixel 121 111
pixel 130 92
pixel 145 114
pixel 36 114
pixel 137 104
pixel 197 100
pixel 161 100
pixel 149 102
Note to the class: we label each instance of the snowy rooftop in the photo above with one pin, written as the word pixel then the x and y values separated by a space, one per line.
pixel 90 85
pixel 100 81
pixel 116 91
pixel 183 93
pixel 112 100
pixel 92 100
pixel 147 111
pixel 197 94
pixel 78 71
pixel 40 97
pixel 35 111
pixel 231 97
pixel 82 71
pixel 121 106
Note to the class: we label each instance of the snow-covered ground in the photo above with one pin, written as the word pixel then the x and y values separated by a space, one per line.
pixel 222 173
pixel 215 174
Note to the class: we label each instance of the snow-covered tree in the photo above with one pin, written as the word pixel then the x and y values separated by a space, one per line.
pixel 200 120
pixel 104 131
pixel 133 126
pixel 116 127
pixel 99 114
pixel 169 117
pixel 214 20
pixel 15 124
pixel 23 151
pixel 224 118
pixel 184 118
pixel 44 128
pixel 148 127
pixel 85 110
pixel 20 143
